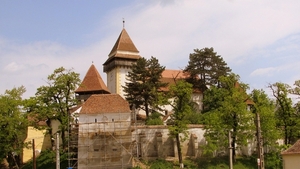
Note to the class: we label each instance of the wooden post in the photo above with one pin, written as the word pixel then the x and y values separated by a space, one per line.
pixel 230 150
pixel 57 152
pixel 33 154
pixel 260 159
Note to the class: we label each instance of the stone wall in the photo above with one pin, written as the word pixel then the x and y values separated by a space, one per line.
pixel 154 142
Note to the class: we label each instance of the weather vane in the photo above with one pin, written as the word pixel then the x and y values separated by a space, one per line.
pixel 123 23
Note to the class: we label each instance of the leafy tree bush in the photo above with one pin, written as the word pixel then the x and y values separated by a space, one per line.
pixel 144 83
pixel 273 161
pixel 161 164
pixel 13 125
pixel 154 119
pixel 47 160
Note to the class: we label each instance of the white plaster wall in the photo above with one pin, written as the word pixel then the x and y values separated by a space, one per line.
pixel 111 81
pixel 123 71
pixel 291 161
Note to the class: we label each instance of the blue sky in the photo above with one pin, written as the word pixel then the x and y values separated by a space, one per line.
pixel 259 40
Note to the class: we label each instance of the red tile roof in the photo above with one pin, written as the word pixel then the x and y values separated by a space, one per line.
pixel 124 43
pixel 124 53
pixel 32 119
pixel 105 103
pixel 92 82
pixel 168 76
pixel 179 74
pixel 295 149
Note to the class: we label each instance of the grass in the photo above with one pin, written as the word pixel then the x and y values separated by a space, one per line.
pixel 205 163
pixel 47 161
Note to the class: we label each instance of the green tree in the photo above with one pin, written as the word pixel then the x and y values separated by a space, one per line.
pixel 181 93
pixel 53 101
pixel 287 120
pixel 226 112
pixel 205 67
pixel 13 123
pixel 143 86
pixel 296 91
pixel 266 109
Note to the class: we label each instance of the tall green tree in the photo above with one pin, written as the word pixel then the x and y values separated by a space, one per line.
pixel 227 111
pixel 181 93
pixel 266 109
pixel 54 100
pixel 287 120
pixel 13 124
pixel 205 67
pixel 143 86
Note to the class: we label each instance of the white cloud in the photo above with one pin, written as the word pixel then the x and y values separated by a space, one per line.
pixel 232 28
pixel 264 71
pixel 13 67
pixel 168 31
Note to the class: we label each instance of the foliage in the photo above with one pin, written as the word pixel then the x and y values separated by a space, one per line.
pixel 161 164
pixel 287 119
pixel 205 67
pixel 194 118
pixel 154 119
pixel 266 109
pixel 223 162
pixel 47 160
pixel 273 160
pixel 13 124
pixel 226 111
pixel 296 91
pixel 53 101
pixel 181 93
pixel 142 88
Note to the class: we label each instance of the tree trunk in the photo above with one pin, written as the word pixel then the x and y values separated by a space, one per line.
pixel 235 124
pixel 233 148
pixel 146 109
pixel 285 135
pixel 63 138
pixel 50 133
pixel 179 151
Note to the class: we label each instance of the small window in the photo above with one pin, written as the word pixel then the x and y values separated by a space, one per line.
pixel 95 120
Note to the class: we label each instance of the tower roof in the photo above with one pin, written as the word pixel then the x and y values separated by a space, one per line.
pixel 124 53
pixel 92 82
pixel 123 44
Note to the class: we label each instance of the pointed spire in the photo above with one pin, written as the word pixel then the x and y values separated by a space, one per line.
pixel 124 44
pixel 92 82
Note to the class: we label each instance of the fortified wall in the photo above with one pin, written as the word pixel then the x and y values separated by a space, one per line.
pixel 155 142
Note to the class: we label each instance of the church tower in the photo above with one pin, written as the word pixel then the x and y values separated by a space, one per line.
pixel 119 62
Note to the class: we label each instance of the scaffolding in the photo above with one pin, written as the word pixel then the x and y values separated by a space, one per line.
pixel 103 144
